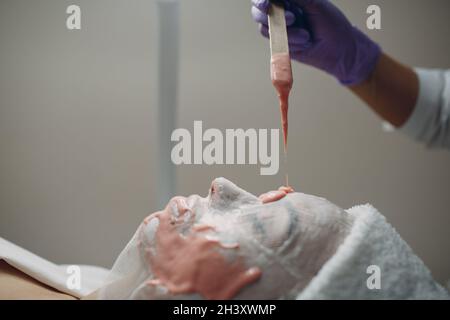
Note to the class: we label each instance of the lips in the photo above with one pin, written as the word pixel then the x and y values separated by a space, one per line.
pixel 276 195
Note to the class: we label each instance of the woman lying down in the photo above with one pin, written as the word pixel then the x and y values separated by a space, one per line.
pixel 234 245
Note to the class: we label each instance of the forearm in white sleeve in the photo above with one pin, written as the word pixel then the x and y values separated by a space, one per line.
pixel 430 120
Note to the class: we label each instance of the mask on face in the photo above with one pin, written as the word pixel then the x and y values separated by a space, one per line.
pixel 230 244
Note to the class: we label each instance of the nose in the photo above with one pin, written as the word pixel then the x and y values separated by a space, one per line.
pixel 224 194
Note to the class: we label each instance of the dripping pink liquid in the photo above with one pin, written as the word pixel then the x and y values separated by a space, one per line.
pixel 192 263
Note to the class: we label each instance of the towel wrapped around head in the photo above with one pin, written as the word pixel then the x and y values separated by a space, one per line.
pixel 373 262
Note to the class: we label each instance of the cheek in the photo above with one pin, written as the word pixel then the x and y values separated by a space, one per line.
pixel 278 228
pixel 273 226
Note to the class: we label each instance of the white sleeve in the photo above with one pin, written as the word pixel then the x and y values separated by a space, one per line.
pixel 430 120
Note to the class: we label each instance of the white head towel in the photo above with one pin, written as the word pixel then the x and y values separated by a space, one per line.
pixel 373 242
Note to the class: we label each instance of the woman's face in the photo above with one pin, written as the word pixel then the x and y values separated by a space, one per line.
pixel 232 244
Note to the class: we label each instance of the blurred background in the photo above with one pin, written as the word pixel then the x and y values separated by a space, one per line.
pixel 78 122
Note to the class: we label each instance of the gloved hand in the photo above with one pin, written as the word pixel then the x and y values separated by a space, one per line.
pixel 321 36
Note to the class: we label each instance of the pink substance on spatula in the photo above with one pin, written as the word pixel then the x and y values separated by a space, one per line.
pixel 281 74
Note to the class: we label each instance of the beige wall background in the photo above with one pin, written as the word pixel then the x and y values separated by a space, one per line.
pixel 78 131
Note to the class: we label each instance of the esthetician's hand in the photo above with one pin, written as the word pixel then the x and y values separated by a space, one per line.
pixel 321 36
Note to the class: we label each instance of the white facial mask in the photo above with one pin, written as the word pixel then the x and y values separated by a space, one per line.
pixel 268 251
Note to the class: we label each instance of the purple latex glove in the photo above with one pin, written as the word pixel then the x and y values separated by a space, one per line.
pixel 321 36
